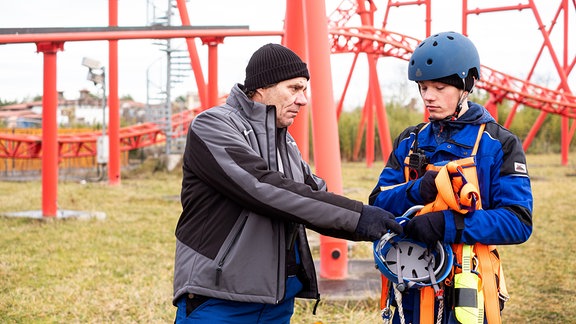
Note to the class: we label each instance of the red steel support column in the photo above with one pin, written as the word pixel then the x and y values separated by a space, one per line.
pixel 213 73
pixel 369 147
pixel 49 129
pixel 428 4
pixel 565 129
pixel 362 126
pixel 367 18
pixel 564 140
pixel 212 43
pixel 346 85
pixel 333 252
pixel 381 115
pixel 534 130
pixel 295 39
pixel 114 164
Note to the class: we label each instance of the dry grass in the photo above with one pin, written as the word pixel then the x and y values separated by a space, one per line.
pixel 120 269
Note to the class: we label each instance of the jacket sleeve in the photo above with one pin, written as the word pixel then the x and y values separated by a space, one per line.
pixel 315 182
pixel 220 155
pixel 507 202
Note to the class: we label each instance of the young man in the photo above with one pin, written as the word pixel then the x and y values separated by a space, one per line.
pixel 242 254
pixel 445 67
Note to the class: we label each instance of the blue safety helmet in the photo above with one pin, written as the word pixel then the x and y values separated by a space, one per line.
pixel 399 255
pixel 443 55
pixel 417 264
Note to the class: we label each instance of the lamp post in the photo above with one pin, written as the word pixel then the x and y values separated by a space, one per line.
pixel 97 74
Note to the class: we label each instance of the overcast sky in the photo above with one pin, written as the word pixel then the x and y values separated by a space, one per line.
pixel 507 42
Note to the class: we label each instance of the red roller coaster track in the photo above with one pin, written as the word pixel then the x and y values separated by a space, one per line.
pixel 82 145
pixel 343 39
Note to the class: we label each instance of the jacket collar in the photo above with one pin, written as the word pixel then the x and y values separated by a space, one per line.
pixel 447 130
pixel 252 110
pixel 261 117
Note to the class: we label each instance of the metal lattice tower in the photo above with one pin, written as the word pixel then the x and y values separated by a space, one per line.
pixel 173 68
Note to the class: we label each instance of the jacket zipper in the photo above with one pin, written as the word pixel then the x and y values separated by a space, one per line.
pixel 278 271
pixel 223 259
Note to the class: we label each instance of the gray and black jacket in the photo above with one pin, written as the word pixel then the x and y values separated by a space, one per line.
pixel 241 216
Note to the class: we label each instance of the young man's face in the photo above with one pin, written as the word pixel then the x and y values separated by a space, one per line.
pixel 288 96
pixel 439 98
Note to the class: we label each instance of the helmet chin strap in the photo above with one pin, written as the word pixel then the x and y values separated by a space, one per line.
pixel 458 109
pixel 463 97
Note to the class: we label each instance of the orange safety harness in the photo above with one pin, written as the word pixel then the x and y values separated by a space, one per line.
pixel 457 184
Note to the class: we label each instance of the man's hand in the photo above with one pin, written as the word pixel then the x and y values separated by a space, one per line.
pixel 427 228
pixel 374 222
pixel 428 189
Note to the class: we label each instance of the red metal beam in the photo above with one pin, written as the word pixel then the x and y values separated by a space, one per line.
pixel 122 33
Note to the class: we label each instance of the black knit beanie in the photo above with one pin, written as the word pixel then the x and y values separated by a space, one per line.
pixel 271 64
pixel 456 81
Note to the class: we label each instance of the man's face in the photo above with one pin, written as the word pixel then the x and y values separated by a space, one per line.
pixel 439 98
pixel 288 96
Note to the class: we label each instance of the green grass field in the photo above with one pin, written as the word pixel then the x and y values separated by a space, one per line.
pixel 119 270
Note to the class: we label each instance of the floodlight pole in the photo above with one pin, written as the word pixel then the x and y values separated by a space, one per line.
pixel 104 140
pixel 97 74
pixel 104 99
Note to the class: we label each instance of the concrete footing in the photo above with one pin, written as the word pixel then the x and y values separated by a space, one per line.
pixel 363 282
pixel 61 214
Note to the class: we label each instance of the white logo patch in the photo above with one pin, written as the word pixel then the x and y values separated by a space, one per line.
pixel 520 167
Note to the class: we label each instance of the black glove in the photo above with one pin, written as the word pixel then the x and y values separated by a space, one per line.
pixel 375 222
pixel 428 189
pixel 427 228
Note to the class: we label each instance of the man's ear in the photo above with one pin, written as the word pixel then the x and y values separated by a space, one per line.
pixel 260 95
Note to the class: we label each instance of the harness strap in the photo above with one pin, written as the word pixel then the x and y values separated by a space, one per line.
pixel 427 302
pixel 384 292
pixel 490 287
pixel 478 137
pixel 400 286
